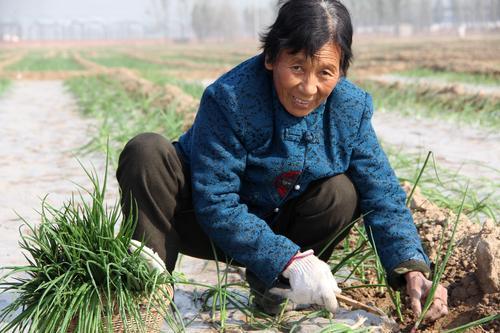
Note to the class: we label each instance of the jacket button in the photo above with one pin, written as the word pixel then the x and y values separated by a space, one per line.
pixel 297 187
pixel 276 209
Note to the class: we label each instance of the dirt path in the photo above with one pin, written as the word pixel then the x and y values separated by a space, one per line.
pixel 470 152
pixel 40 131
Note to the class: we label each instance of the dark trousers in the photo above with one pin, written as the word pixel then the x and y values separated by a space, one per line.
pixel 152 173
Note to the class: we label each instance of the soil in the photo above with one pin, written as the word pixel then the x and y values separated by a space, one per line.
pixel 41 130
pixel 473 56
pixel 469 297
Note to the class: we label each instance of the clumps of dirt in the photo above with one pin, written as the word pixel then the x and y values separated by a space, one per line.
pixel 488 258
pixel 472 272
pixel 462 65
pixel 381 57
pixel 471 275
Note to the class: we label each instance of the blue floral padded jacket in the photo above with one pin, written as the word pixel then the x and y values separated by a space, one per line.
pixel 248 156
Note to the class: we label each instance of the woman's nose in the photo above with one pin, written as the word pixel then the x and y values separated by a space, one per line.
pixel 309 86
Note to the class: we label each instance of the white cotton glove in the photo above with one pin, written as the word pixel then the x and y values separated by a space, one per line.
pixel 311 282
pixel 154 261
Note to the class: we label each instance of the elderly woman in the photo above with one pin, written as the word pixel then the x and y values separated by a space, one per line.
pixel 280 159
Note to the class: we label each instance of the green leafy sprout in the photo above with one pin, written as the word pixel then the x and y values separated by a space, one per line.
pixel 80 273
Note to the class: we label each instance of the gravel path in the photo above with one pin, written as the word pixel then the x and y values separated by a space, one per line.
pixel 40 130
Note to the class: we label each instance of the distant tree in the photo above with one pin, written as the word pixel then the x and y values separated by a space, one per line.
pixel 228 21
pixel 158 9
pixel 204 20
pixel 219 20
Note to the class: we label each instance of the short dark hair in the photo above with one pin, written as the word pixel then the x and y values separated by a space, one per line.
pixel 307 25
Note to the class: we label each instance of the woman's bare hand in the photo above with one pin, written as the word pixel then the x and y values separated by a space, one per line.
pixel 418 288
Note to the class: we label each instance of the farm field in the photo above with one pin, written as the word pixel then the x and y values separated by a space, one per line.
pixel 447 91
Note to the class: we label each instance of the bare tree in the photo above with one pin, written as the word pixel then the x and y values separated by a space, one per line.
pixel 158 9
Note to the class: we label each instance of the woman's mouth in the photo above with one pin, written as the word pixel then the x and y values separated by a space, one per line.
pixel 301 102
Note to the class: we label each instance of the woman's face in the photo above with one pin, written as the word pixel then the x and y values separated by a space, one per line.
pixel 303 83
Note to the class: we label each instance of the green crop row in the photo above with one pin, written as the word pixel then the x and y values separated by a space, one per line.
pixel 210 60
pixel 153 72
pixel 122 60
pixel 38 62
pixel 412 100
pixel 451 77
pixel 195 89
pixel 120 116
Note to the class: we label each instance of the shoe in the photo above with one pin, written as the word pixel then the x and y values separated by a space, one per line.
pixel 267 302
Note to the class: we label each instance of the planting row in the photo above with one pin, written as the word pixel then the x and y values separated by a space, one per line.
pixel 39 61
pixel 443 103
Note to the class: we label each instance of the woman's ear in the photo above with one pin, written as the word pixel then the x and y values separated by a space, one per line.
pixel 268 64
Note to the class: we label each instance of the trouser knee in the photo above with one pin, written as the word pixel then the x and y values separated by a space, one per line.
pixel 320 217
pixel 142 152
pixel 151 178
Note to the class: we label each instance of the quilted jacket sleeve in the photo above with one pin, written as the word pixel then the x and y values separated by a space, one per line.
pixel 383 201
pixel 217 167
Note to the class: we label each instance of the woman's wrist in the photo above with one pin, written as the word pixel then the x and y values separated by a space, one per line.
pixel 298 255
pixel 413 274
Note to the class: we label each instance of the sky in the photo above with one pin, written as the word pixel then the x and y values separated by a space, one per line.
pixel 73 9
pixel 29 13
pixel 113 10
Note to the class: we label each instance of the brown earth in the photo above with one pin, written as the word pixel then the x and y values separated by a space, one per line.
pixel 471 275
pixel 473 56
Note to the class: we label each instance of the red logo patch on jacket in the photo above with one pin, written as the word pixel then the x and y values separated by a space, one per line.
pixel 285 181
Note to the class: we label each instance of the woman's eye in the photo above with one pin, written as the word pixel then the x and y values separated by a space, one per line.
pixel 327 73
pixel 296 68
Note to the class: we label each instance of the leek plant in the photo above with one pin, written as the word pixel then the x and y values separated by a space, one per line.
pixel 412 100
pixel 440 264
pixel 120 116
pixel 4 84
pixel 80 272
pixel 39 62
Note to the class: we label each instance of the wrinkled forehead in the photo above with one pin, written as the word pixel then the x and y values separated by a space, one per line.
pixel 326 54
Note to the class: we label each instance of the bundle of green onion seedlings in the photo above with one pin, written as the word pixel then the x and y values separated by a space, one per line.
pixel 79 270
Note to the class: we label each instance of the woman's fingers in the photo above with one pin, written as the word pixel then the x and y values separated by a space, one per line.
pixel 439 307
pixel 414 289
